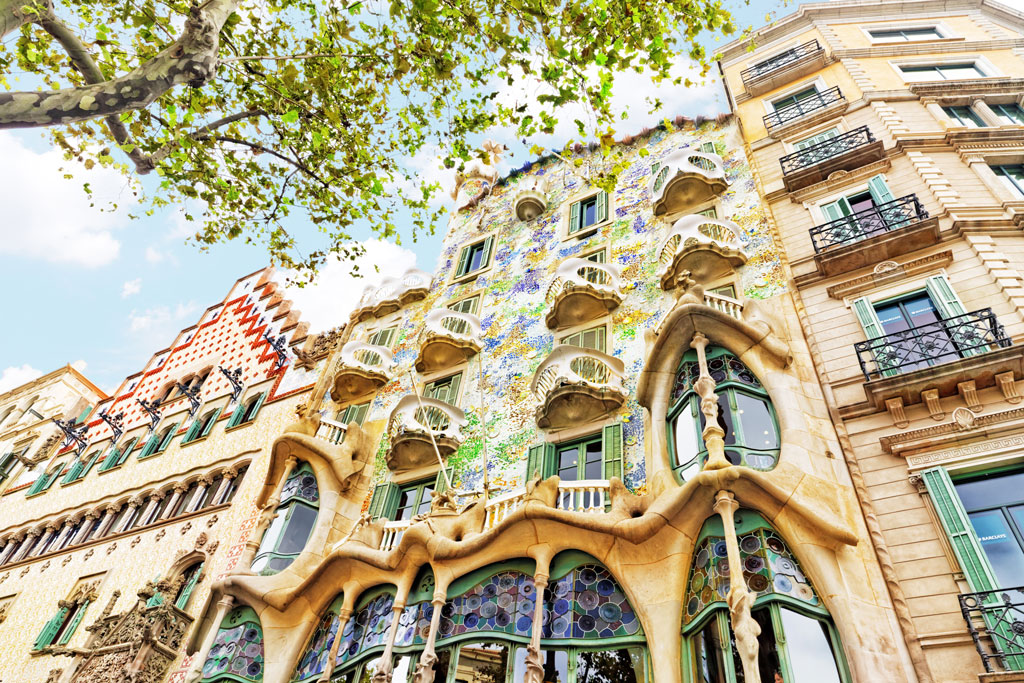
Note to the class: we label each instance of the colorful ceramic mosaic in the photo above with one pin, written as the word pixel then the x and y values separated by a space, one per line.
pixel 588 603
pixel 513 293
pixel 237 652
pixel 367 628
pixel 314 659
pixel 768 567
pixel 504 603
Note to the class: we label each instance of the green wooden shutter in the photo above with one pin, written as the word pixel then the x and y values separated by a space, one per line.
pixel 574 218
pixel 548 462
pixel 957 525
pixel 611 450
pixel 879 190
pixel 236 415
pixel 38 484
pixel 77 619
pixel 89 464
pixel 126 450
pixel 463 262
pixel 602 207
pixel 113 457
pixel 885 356
pixel 193 430
pixel 186 592
pixel 441 484
pixel 383 494
pixel 535 461
pixel 256 408
pixel 213 420
pixel 72 472
pixel 53 477
pixel 486 257
pixel 50 629
pixel 968 336
pixel 167 439
pixel 157 598
pixel 833 211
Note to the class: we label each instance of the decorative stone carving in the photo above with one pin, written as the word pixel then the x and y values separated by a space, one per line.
pixel 705 247
pixel 899 416
pixel 684 179
pixel 931 400
pixel 362 369
pixel 576 385
pixel 964 418
pixel 1008 386
pixel 970 394
pixel 416 425
pixel 581 291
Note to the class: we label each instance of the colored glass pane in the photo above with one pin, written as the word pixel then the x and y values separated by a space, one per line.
pixel 367 628
pixel 314 659
pixel 588 603
pixel 237 652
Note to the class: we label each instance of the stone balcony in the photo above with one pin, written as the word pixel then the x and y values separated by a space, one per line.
pixel 816 163
pixel 684 179
pixel 582 290
pixel 576 386
pixel 704 247
pixel 448 338
pixel 392 294
pixel 362 369
pixel 531 198
pixel 783 68
pixel 413 430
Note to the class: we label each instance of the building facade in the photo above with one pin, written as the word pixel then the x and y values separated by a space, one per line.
pixel 887 139
pixel 112 539
pixel 591 446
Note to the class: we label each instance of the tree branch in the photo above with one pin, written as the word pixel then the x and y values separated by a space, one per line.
pixel 192 59
pixel 266 150
pixel 199 133
pixel 16 13
pixel 283 58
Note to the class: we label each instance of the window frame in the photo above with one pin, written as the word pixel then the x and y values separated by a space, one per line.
pixel 1007 181
pixel 420 487
pixel 476 298
pixel 604 334
pixel 958 120
pixel 940 31
pixel 391 331
pixel 459 386
pixel 1017 115
pixel 981 64
pixel 569 232
pixel 288 509
pixel 488 243
pixel 341 416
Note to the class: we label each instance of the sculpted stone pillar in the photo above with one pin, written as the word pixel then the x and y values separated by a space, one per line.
pixel 154 500
pixel 985 112
pixel 534 663
pixel 714 435
pixel 344 614
pixel 425 665
pixel 203 483
pixel 51 529
pixel 175 497
pixel 108 519
pixel 740 600
pixel 90 517
pixel 252 545
pixel 24 548
pixel 196 670
pixel 218 495
pixel 13 545
pixel 130 518
pixel 383 673
pixel 6 549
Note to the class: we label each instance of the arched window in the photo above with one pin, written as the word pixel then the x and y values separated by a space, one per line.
pixel 246 412
pixel 590 632
pixel 745 413
pixel 189 578
pixel 798 641
pixel 317 653
pixel 292 524
pixel 202 427
pixel 237 652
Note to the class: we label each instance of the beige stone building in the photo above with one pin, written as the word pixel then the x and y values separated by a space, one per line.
pixel 888 139
pixel 111 542
pixel 591 447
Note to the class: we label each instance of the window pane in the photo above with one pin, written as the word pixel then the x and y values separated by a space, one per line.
pixel 594 468
pixel 482 663
pixel 555 662
pixel 425 498
pixel 567 463
pixel 810 651
pixel 687 442
pixel 725 417
pixel 295 534
pixel 402 669
pixel 758 426
pixel 406 501
pixel 707 650
pixel 960 71
pixel 1000 545
pixel 768 662
pixel 1012 177
pixel 993 490
pixel 588 211
pixel 610 666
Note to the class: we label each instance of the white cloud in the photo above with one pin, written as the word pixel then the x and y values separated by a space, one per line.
pixel 50 218
pixel 131 287
pixel 14 376
pixel 155 328
pixel 80 365
pixel 153 255
pixel 329 300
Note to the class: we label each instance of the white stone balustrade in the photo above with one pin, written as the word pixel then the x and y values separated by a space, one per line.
pixel 684 178
pixel 725 304
pixel 362 368
pixel 367 357
pixel 585 495
pixel 413 431
pixel 571 365
pixel 579 273
pixel 331 431
pixel 448 338
pixel 393 533
pixel 392 294
pixel 705 247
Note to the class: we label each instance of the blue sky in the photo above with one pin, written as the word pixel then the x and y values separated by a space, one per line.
pixel 105 292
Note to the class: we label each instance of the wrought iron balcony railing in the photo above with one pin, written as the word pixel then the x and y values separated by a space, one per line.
pixel 778 61
pixel 998 614
pixel 960 336
pixel 785 115
pixel 827 149
pixel 859 226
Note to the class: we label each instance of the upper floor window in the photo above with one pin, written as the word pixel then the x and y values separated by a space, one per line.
pixel 1009 114
pixel 588 212
pixel 414 499
pixel 594 338
pixel 795 98
pixel 724 290
pixel 202 427
pixel 292 525
pixel 1012 177
pixel 159 441
pixel 10 461
pixel 597 256
pixel 917 73
pixel 446 389
pixel 964 116
pixel 246 412
pixel 815 139
pixel 383 337
pixel 902 35
pixel 404 501
pixel 593 457
pixel 745 414
pixel 474 257
pixel 470 305
pixel 353 413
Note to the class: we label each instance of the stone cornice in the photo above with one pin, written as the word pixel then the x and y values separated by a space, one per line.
pixel 839 179
pixel 895 272
pixel 953 431
pixel 928 47
pixel 973 86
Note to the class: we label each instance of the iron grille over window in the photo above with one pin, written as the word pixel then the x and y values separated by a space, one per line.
pixel 827 149
pixel 999 614
pixel 868 223
pixel 779 61
pixel 802 107
pixel 943 341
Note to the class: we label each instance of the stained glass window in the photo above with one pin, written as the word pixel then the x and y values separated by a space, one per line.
pixel 768 567
pixel 367 628
pixel 588 603
pixel 237 652
pixel 292 524
pixel 314 659
pixel 504 603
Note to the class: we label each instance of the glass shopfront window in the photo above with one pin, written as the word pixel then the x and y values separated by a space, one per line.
pixel 995 506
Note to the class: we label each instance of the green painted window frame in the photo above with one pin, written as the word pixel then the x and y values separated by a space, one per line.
pixel 44 481
pixel 577 213
pixel 816 138
pixel 597 341
pixel 117 456
pixel 728 389
pixel 9 462
pixel 470 304
pixel 964 116
pixel 186 590
pixel 453 382
pixel 708 148
pixel 246 411
pixel 354 413
pixel 710 212
pixel 542 458
pixel 202 427
pixel 81 468
pixel 289 508
pixel 485 247
pixel 422 490
pixel 242 614
pixel 383 337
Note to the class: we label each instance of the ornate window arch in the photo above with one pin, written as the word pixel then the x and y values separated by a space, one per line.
pixel 798 640
pixel 745 413
pixel 237 653
pixel 293 522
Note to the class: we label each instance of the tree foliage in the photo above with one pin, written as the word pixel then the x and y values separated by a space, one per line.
pixel 259 110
